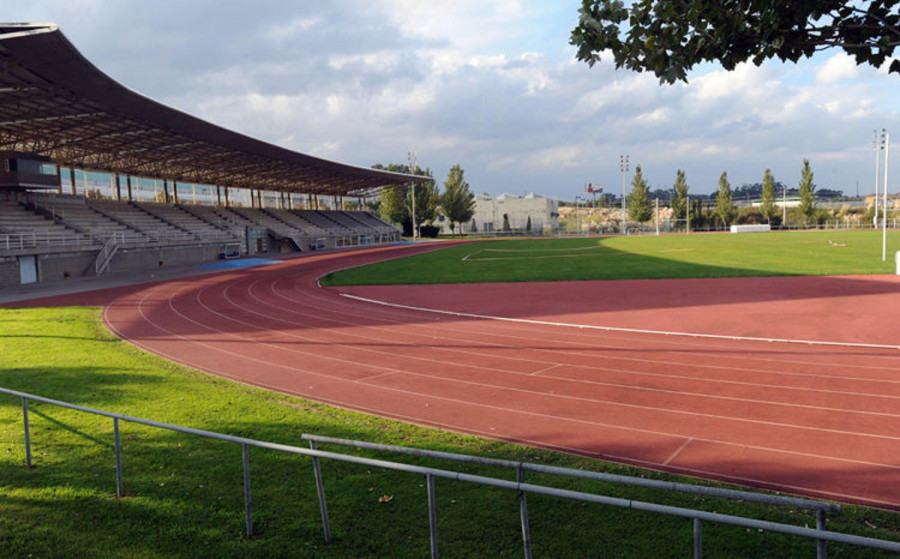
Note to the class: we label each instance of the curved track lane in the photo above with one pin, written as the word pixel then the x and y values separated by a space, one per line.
pixel 821 421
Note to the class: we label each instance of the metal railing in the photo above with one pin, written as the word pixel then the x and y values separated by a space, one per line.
pixel 820 534
pixel 110 248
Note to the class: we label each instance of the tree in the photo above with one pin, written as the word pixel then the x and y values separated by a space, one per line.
pixel 724 208
pixel 639 198
pixel 807 192
pixel 669 37
pixel 396 201
pixel 506 226
pixel 457 202
pixel 767 199
pixel 680 201
pixel 528 224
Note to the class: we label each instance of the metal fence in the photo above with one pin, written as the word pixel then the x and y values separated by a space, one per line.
pixel 820 535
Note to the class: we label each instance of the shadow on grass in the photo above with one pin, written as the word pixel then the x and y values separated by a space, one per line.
pixel 184 497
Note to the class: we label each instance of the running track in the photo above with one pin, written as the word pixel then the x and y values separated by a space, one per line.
pixel 815 420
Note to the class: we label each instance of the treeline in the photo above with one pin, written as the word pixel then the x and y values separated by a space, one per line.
pixel 456 202
pixel 719 209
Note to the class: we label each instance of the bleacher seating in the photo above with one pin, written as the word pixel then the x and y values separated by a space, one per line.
pixel 375 222
pixel 183 219
pixel 347 221
pixel 76 221
pixel 136 218
pixel 294 220
pixel 74 212
pixel 320 219
pixel 21 227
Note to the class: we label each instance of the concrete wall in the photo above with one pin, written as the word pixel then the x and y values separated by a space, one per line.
pixel 54 267
pixel 9 271
pixel 488 217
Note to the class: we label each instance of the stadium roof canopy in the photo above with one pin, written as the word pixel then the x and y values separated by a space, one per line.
pixel 54 102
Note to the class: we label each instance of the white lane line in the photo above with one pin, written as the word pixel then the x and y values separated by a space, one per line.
pixel 677 452
pixel 618 329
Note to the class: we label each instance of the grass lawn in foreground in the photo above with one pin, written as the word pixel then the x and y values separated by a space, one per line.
pixel 832 252
pixel 184 493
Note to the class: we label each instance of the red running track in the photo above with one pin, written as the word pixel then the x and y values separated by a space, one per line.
pixel 814 420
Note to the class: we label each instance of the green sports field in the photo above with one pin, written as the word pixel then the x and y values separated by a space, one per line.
pixel 668 256
pixel 184 493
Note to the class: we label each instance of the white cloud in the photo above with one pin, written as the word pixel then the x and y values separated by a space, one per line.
pixel 475 82
pixel 839 67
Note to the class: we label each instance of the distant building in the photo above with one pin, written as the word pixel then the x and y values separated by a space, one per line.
pixel 489 212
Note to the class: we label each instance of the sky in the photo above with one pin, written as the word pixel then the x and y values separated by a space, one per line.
pixel 491 85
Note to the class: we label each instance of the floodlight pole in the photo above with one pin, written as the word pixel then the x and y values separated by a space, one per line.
pixel 687 213
pixel 657 217
pixel 886 141
pixel 876 145
pixel 784 207
pixel 411 158
pixel 623 166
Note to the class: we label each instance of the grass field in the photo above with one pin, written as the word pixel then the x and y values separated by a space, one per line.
pixel 184 495
pixel 667 256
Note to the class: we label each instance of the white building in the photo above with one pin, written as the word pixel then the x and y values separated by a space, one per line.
pixel 489 213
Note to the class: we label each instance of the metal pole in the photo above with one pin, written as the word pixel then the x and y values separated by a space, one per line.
pixel 698 538
pixel 887 148
pixel 821 550
pixel 411 156
pixel 876 144
pixel 120 488
pixel 657 217
pixel 27 433
pixel 247 505
pixel 523 514
pixel 688 215
pixel 320 489
pixel 623 166
pixel 432 515
pixel 784 207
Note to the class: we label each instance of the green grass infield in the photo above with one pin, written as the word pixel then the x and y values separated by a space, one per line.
pixel 832 252
pixel 184 493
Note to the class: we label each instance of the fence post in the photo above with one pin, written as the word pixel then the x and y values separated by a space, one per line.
pixel 120 490
pixel 523 513
pixel 432 515
pixel 27 433
pixel 821 550
pixel 247 505
pixel 320 489
pixel 698 538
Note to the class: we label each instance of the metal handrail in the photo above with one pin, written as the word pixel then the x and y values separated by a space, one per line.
pixel 819 534
pixel 584 474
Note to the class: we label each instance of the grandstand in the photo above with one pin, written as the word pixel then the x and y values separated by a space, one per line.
pixel 98 178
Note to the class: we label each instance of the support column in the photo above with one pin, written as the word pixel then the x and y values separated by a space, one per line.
pixel 166 190
pixel 118 188
pixel 72 179
pixel 227 203
pixel 218 196
pixel 175 190
pixel 316 198
pixel 59 178
pixel 128 184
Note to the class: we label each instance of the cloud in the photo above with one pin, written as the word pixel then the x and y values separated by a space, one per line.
pixel 490 85
pixel 839 67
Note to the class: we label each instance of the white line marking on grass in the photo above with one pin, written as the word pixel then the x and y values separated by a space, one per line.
pixel 620 329
pixel 613 254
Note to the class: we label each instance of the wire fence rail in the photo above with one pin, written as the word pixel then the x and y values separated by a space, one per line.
pixel 820 534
